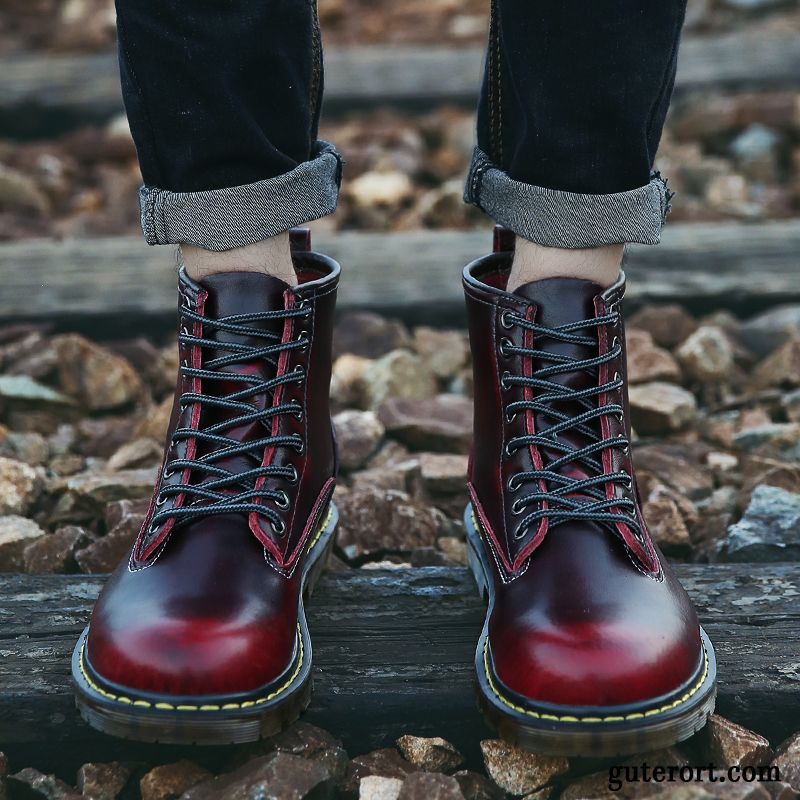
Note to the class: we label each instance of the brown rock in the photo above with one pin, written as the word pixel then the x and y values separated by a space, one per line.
pixel 278 775
pixel 445 352
pixel 395 477
pixel 170 781
pixel 96 377
pixel 347 381
pixel 308 741
pixel 103 436
pixel 372 519
pixel 665 522
pixel 517 771
pixel 454 548
pixel 781 368
pixel 443 473
pixel 16 533
pixel 669 325
pixel 55 553
pixel 658 407
pixel 99 488
pixel 676 467
pixel 730 744
pixel 374 787
pixel 441 423
pixel 399 374
pixel 430 786
pixel 387 763
pixel 787 759
pixel 475 786
pixel 103 781
pixel 647 361
pixel 136 454
pixel 430 754
pixel 154 425
pixel 358 435
pixel 362 333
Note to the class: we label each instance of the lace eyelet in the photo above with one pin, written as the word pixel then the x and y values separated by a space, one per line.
pixel 153 528
pixel 504 385
pixel 299 413
pixel 160 499
pixel 301 445
pixel 168 473
pixel 512 485
pixel 301 372
pixel 278 527
pixel 504 345
pixel 614 342
pixel 505 317
pixel 516 508
pixel 294 477
pixel 509 450
pixel 616 377
pixel 510 416
pixel 302 337
pixel 519 533
pixel 283 501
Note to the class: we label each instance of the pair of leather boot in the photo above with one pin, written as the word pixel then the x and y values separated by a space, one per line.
pixel 590 643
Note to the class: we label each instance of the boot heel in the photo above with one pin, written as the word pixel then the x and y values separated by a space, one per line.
pixel 320 553
pixel 473 555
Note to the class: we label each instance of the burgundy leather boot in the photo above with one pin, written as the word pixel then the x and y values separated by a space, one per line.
pixel 591 646
pixel 200 634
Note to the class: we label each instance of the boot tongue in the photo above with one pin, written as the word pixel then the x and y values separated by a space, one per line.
pixel 231 294
pixel 560 301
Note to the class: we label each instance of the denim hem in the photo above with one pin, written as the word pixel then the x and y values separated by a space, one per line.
pixel 222 219
pixel 554 218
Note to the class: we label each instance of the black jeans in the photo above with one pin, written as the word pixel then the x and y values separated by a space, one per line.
pixel 224 96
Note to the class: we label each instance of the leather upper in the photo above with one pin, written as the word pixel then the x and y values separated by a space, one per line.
pixel 209 605
pixel 586 613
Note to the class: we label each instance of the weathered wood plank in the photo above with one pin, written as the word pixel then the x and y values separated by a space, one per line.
pixel 411 274
pixel 393 653
pixel 405 75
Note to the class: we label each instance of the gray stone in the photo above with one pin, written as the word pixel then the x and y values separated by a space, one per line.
pixel 135 454
pixel 518 771
pixel 278 776
pixel 769 529
pixel 47 787
pixel 20 485
pixel 443 473
pixel 375 787
pixel 386 763
pixel 430 786
pixel 432 754
pixel 767 331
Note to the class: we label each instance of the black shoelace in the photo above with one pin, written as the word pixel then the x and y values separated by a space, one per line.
pixel 591 502
pixel 227 492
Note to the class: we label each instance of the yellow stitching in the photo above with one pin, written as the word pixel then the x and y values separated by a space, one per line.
pixel 227 706
pixel 636 715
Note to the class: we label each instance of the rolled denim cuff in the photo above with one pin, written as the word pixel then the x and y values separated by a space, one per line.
pixel 222 219
pixel 565 219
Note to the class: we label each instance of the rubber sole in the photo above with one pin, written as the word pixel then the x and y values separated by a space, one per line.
pixel 209 720
pixel 589 732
